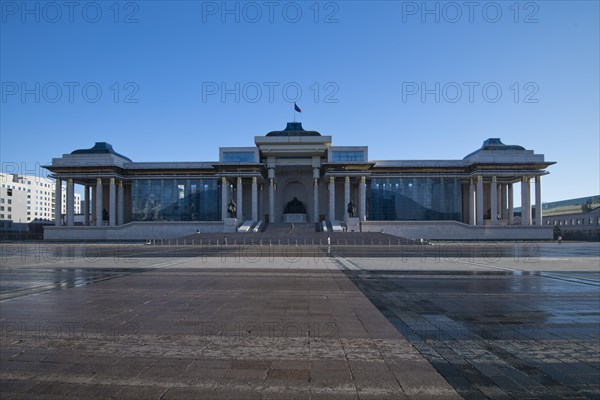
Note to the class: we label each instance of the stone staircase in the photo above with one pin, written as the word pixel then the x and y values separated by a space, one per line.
pixel 303 234
pixel 278 229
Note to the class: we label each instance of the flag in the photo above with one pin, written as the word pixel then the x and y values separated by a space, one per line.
pixel 296 108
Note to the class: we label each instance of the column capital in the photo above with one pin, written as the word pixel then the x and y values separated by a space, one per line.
pixel 121 183
pixel 98 181
pixel 112 181
pixel 224 180
pixel 363 179
pixel 254 180
pixel 479 178
pixel 525 179
pixel 494 179
pixel 239 180
pixel 331 179
pixel 347 179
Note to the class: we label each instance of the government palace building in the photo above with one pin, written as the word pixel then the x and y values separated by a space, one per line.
pixel 295 176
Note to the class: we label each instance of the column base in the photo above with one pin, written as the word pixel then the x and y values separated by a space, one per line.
pixel 230 225
pixel 353 224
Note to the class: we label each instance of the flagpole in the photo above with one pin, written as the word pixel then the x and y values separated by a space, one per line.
pixel 294 112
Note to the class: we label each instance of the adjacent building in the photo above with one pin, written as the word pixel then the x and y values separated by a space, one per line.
pixel 574 219
pixel 25 199
pixel 301 171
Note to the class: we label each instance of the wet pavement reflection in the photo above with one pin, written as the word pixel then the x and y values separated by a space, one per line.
pixel 498 334
pixel 23 282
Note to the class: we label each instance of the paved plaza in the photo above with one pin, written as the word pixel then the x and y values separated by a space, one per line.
pixel 474 321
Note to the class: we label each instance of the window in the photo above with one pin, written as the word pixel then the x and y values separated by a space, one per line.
pixel 9 201
pixel 238 156
pixel 414 199
pixel 347 156
pixel 176 200
pixel 9 192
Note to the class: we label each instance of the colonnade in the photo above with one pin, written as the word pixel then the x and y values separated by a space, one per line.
pixel 92 194
pixel 501 201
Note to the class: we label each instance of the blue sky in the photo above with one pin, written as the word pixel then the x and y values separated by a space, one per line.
pixel 361 67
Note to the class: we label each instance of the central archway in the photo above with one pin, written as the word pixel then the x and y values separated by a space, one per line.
pixel 296 189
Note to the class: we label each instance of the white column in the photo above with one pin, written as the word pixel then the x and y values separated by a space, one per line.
pixel 511 207
pixel 331 198
pixel 346 196
pixel 93 210
pixel 538 200
pixel 499 199
pixel 362 210
pixel 99 207
pixel 315 200
pixel 479 198
pixel 271 200
pixel 239 199
pixel 121 204
pixel 70 202
pixel 471 219
pixel 224 198
pixel 58 203
pixel 494 201
pixel 112 203
pixel 261 202
pixel 86 209
pixel 503 203
pixel 525 202
pixel 254 200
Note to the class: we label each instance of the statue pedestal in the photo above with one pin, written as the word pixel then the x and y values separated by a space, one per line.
pixel 295 218
pixel 352 224
pixel 230 225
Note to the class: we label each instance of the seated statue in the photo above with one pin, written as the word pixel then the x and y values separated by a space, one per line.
pixel 295 207
pixel 232 209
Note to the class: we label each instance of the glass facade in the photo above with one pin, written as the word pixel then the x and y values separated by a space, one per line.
pixel 415 199
pixel 176 200
pixel 239 156
pixel 337 155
